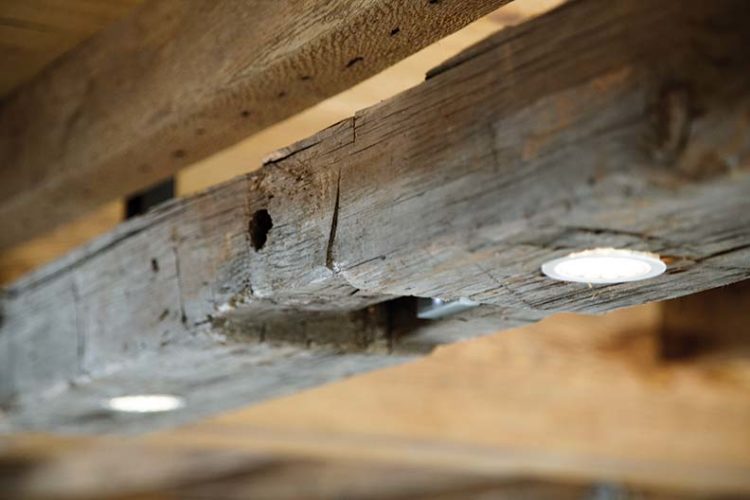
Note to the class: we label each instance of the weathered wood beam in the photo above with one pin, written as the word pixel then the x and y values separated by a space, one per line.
pixel 177 81
pixel 546 139
pixel 573 397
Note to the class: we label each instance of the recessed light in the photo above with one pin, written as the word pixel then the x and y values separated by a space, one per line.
pixel 605 266
pixel 145 403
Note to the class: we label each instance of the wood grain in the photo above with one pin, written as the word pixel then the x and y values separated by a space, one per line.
pixel 571 397
pixel 33 33
pixel 248 154
pixel 506 157
pixel 177 81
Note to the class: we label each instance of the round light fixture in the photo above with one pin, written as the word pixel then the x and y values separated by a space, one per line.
pixel 145 403
pixel 605 266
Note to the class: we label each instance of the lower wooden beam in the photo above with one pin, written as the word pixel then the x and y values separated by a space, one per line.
pixel 114 470
pixel 541 141
pixel 211 379
pixel 571 398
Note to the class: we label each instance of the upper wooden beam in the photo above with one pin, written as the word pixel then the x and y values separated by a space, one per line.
pixel 177 81
pixel 544 140
pixel 35 32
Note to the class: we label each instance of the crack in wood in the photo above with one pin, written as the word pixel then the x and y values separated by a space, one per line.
pixel 720 253
pixel 183 314
pixel 330 264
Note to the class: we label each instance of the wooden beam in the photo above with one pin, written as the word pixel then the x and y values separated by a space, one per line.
pixel 248 154
pixel 36 32
pixel 571 398
pixel 541 141
pixel 177 81
pixel 112 469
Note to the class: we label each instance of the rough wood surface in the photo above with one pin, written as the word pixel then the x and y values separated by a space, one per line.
pixel 212 378
pixel 176 81
pixel 545 139
pixel 569 398
pixel 247 155
pixel 572 398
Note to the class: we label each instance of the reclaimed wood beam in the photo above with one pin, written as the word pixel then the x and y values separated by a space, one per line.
pixel 177 81
pixel 544 140
pixel 573 397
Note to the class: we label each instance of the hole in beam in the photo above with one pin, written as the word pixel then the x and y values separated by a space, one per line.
pixel 260 224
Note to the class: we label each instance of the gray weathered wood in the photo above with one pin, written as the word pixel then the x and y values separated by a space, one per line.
pixel 596 125
pixel 177 81
pixel 212 378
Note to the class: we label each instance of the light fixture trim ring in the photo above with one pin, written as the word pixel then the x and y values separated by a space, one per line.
pixel 605 266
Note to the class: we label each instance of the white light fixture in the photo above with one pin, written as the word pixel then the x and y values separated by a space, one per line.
pixel 605 266
pixel 145 403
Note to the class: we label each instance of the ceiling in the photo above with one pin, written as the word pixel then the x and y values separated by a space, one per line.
pixel 33 33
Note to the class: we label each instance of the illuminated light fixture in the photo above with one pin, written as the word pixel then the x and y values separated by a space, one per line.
pixel 605 266
pixel 145 403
